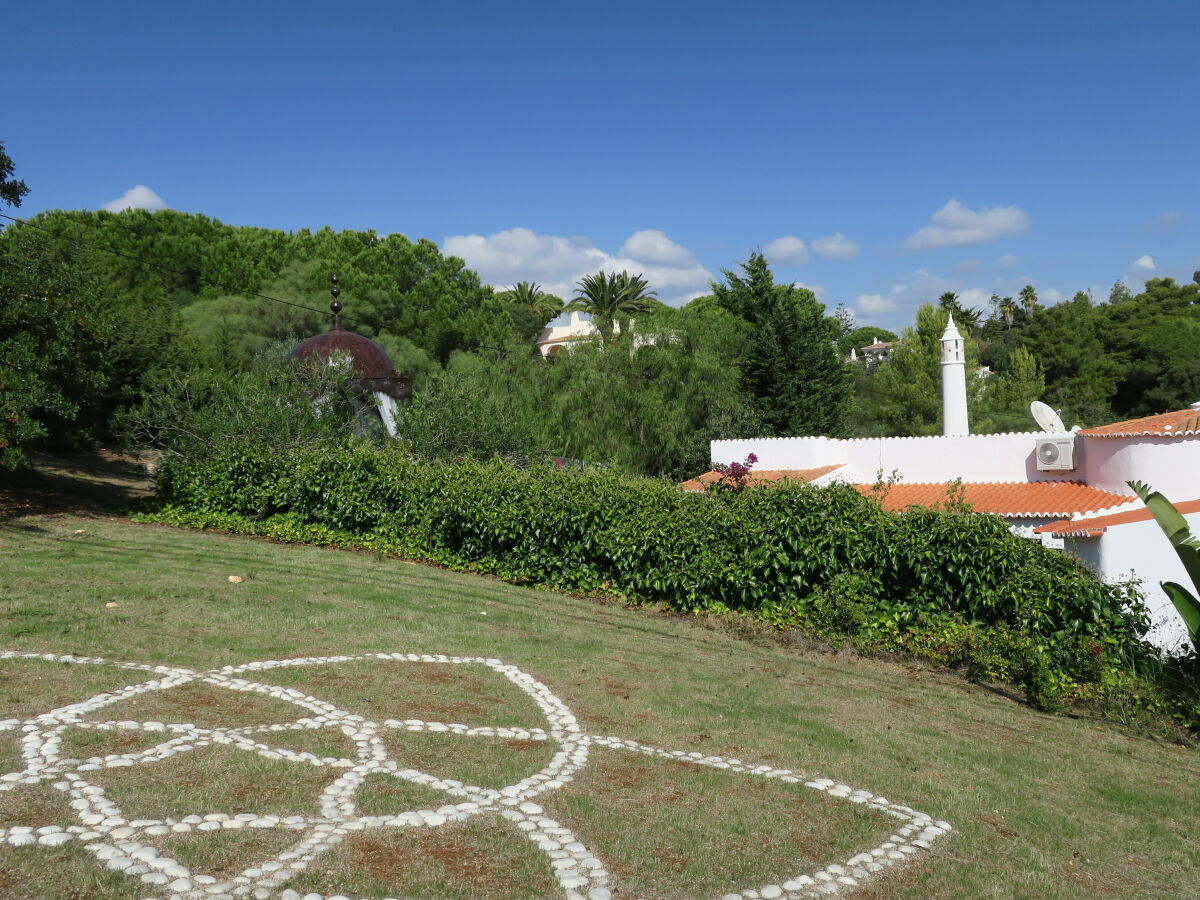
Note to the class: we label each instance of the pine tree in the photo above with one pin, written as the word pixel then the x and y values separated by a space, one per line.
pixel 792 369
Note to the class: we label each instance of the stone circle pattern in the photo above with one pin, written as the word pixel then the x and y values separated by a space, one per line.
pixel 116 841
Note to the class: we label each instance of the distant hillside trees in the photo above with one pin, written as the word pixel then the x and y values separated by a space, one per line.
pixel 174 291
pixel 1133 355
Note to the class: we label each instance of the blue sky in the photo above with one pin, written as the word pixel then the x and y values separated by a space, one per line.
pixel 879 152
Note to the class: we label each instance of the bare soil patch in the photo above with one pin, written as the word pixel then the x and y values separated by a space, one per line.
pixel 481 761
pixel 438 692
pixel 673 830
pixel 484 859
pixel 215 779
pixel 85 743
pixel 203 705
pixel 35 805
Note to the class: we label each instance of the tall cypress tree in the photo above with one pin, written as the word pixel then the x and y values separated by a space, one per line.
pixel 792 369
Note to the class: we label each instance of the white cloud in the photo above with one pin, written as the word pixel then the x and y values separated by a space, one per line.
pixel 1007 261
pixel 818 291
pixel 874 305
pixel 137 197
pixel 1167 221
pixel 786 250
pixel 975 297
pixel 652 246
pixel 906 295
pixel 519 254
pixel 1050 296
pixel 557 263
pixel 922 287
pixel 956 225
pixel 835 246
pixel 1135 276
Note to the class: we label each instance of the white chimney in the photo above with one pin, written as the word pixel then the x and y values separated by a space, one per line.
pixel 954 382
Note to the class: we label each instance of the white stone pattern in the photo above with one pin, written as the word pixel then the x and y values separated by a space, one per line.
pixel 115 841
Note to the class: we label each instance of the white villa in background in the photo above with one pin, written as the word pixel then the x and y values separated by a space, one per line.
pixel 552 341
pixel 873 354
pixel 1067 489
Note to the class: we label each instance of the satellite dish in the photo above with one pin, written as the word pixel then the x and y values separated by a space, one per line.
pixel 1047 419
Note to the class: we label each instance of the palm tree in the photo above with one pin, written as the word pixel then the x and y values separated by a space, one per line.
pixel 532 297
pixel 968 318
pixel 608 298
pixel 1028 299
pixel 1008 309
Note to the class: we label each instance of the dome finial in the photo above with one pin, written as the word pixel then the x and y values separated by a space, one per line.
pixel 335 304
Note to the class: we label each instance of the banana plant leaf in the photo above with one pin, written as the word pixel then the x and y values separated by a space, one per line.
pixel 1175 527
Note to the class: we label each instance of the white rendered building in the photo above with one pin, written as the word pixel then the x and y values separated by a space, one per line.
pixel 1068 489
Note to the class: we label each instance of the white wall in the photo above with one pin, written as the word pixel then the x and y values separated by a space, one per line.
pixel 937 459
pixel 1168 465
pixel 1140 550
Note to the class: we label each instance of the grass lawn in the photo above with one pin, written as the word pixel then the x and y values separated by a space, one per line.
pixel 1042 806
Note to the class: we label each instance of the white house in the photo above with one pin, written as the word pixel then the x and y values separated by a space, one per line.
pixel 873 354
pixel 1068 489
pixel 553 339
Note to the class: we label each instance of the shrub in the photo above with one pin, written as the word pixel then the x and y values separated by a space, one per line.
pixel 945 584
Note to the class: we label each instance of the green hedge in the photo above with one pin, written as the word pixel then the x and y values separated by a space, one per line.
pixel 826 559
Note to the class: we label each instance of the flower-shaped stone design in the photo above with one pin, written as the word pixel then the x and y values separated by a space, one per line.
pixel 118 842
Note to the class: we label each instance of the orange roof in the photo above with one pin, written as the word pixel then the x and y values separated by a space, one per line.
pixel 763 476
pixel 1096 526
pixel 1169 424
pixel 1014 499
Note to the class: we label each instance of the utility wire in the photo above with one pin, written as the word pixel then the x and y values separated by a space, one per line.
pixel 153 265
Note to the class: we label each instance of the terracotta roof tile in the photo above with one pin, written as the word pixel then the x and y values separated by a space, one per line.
pixel 1169 424
pixel 1021 499
pixel 762 476
pixel 1094 527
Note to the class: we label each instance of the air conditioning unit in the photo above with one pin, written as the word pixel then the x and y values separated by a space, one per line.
pixel 1055 454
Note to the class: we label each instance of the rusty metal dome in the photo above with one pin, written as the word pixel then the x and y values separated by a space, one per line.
pixel 372 369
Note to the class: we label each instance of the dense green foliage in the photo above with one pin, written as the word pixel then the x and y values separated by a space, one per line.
pixel 791 368
pixel 648 404
pixel 156 296
pixel 904 394
pixel 1131 356
pixel 11 189
pixel 195 412
pixel 52 331
pixel 827 559
pixel 173 291
pixel 612 299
